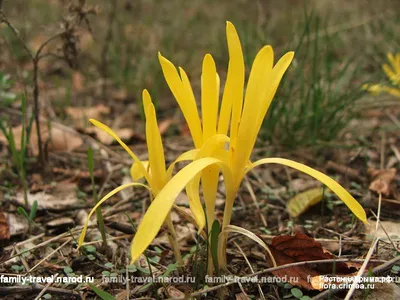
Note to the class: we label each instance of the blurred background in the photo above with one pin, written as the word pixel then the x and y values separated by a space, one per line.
pixel 106 54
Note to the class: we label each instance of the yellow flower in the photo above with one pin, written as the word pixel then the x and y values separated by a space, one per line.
pixel 392 71
pixel 153 170
pixel 243 118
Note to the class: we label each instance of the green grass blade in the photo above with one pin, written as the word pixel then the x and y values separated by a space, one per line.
pixel 215 230
pixel 102 294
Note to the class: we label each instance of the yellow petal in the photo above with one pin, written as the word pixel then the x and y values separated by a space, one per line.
pixel 184 96
pixel 344 195
pixel 276 77
pixel 109 131
pixel 192 191
pixel 135 171
pixel 388 71
pixel 256 88
pixel 209 182
pixel 233 91
pixel 188 155
pixel 154 144
pixel 214 143
pixel 391 59
pixel 397 64
pixel 209 97
pixel 194 124
pixel 162 204
pixel 106 197
pixel 393 91
pixel 210 175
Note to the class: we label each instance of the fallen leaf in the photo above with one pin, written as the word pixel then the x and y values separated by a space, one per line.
pixel 303 201
pixel 4 230
pixel 379 292
pixel 63 197
pixel 119 95
pixel 184 130
pixel 392 229
pixel 80 115
pixel 300 184
pixel 76 173
pixel 382 180
pixel 63 222
pixel 164 125
pixel 288 249
pixel 174 293
pixel 55 138
pixel 123 133
pixel 17 224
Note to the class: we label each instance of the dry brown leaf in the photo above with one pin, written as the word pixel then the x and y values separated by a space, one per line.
pixel 392 229
pixel 164 125
pixel 119 95
pixel 184 130
pixel 18 224
pixel 382 180
pixel 288 249
pixel 80 115
pixel 174 293
pixel 54 137
pixel 63 197
pixel 379 292
pixel 123 133
pixel 300 184
pixel 4 230
pixel 76 174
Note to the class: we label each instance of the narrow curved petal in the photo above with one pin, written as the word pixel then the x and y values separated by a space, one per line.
pixel 276 77
pixel 110 132
pixel 193 193
pixel 389 72
pixel 188 155
pixel 209 182
pixel 210 175
pixel 106 197
pixel 209 97
pixel 195 124
pixel 181 90
pixel 154 144
pixel 163 202
pixel 256 88
pixel 232 100
pixel 213 144
pixel 135 170
pixel 344 195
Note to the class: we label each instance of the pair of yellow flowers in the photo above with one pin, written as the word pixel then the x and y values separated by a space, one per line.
pixel 392 72
pixel 214 151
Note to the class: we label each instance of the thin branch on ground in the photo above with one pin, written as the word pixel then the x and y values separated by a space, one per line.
pixel 38 288
pixel 362 269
